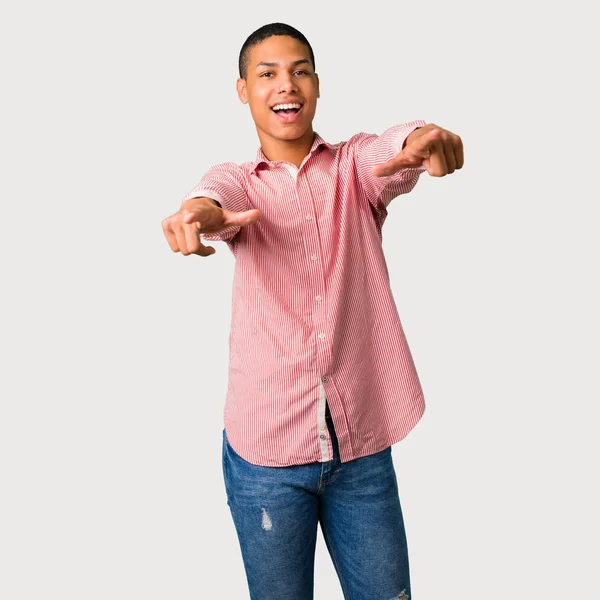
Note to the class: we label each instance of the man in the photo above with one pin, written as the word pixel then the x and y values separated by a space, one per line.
pixel 321 378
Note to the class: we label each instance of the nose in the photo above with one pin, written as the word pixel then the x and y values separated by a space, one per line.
pixel 286 83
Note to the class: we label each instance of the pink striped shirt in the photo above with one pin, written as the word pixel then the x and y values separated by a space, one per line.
pixel 313 316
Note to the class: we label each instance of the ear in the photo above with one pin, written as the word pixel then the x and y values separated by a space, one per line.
pixel 240 85
pixel 318 91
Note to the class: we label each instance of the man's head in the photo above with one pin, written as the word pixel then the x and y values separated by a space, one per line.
pixel 277 66
pixel 264 32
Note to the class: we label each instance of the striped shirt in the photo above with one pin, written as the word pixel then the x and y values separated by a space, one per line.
pixel 313 316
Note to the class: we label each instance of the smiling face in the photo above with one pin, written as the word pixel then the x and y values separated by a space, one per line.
pixel 280 72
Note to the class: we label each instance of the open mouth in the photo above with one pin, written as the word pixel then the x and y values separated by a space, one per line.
pixel 287 113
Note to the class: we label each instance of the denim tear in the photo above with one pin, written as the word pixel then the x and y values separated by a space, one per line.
pixel 267 524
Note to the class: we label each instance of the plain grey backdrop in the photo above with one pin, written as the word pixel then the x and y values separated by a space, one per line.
pixel 115 349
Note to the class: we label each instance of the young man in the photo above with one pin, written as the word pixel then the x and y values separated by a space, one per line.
pixel 321 379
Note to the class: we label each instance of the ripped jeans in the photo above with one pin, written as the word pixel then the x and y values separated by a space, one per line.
pixel 276 511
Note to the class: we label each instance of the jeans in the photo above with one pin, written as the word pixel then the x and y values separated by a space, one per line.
pixel 276 511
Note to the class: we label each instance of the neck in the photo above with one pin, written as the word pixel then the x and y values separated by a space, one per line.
pixel 292 151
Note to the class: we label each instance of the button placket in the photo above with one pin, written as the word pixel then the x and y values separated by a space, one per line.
pixel 313 240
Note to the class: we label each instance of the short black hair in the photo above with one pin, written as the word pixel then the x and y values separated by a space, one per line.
pixel 264 32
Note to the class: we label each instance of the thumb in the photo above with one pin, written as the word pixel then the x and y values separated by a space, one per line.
pixel 400 161
pixel 242 218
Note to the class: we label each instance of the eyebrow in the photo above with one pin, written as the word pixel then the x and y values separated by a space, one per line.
pixel 274 64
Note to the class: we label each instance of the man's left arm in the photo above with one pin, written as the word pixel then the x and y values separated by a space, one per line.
pixel 369 150
pixel 390 164
pixel 436 149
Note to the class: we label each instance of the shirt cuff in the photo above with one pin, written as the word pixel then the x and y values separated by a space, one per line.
pixel 206 194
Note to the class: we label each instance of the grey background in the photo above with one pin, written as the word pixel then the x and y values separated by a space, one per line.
pixel 114 349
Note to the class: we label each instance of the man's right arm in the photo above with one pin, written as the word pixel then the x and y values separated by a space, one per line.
pixel 224 185
pixel 215 209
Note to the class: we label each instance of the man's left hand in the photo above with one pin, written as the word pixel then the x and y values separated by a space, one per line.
pixel 438 150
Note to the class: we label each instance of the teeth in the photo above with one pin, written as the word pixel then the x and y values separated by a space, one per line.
pixel 284 106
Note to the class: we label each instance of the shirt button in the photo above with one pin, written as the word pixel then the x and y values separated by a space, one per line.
pixel 321 336
pixel 322 427
pixel 319 298
pixel 308 217
pixel 324 378
pixel 314 257
pixel 322 436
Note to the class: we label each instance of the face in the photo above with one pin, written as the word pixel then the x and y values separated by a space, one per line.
pixel 289 78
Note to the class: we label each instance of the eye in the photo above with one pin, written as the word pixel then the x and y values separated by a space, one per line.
pixel 305 72
pixel 266 73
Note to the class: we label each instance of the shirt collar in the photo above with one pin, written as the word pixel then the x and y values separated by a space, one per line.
pixel 261 158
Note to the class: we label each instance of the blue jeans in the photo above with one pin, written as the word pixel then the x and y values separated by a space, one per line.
pixel 276 511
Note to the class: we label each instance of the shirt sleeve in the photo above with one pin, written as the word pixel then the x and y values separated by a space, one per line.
pixel 371 150
pixel 225 184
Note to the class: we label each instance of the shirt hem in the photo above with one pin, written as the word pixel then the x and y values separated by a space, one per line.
pixel 413 419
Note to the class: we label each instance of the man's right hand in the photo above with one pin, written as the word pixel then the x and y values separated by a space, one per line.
pixel 196 215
